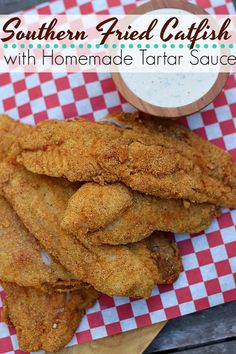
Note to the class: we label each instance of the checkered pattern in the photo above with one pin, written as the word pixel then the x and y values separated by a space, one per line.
pixel 209 258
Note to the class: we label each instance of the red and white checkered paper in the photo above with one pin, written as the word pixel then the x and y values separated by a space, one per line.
pixel 209 259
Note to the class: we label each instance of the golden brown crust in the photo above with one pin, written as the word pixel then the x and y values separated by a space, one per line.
pixel 167 257
pixel 94 206
pixel 217 162
pixel 136 220
pixel 112 270
pixel 5 314
pixel 24 261
pixel 45 321
pixel 10 130
pixel 171 162
pixel 161 256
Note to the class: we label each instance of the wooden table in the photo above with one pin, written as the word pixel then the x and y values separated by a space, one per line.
pixel 211 331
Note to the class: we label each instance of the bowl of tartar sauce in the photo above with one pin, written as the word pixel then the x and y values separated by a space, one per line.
pixel 169 94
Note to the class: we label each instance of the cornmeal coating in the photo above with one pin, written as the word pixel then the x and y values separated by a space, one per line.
pixel 40 202
pixel 95 206
pixel 162 159
pixel 114 214
pixel 166 256
pixel 22 259
pixel 45 321
pixel 10 130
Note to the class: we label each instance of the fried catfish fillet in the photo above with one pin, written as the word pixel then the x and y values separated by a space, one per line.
pixel 114 214
pixel 45 321
pixel 217 162
pixel 9 131
pixel 40 202
pixel 170 162
pixel 22 259
pixel 166 256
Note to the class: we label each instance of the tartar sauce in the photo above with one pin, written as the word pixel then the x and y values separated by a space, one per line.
pixel 169 89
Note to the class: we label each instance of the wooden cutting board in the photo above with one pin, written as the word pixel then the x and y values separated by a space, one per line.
pixel 131 342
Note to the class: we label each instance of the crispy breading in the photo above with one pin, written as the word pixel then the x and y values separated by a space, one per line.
pixel 114 214
pixel 171 162
pixel 40 202
pixel 94 206
pixel 9 131
pixel 165 253
pixel 45 321
pixel 217 162
pixel 24 261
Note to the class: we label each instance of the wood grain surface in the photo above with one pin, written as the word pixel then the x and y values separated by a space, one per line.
pixel 211 331
pixel 9 6
pixel 217 348
pixel 202 329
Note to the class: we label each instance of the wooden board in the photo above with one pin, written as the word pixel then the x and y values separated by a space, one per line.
pixel 201 329
pixel 10 6
pixel 218 348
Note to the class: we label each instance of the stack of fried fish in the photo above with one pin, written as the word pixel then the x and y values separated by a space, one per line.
pixel 85 207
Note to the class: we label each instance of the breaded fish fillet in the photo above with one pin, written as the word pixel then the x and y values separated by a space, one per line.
pixel 22 259
pixel 165 253
pixel 114 214
pixel 9 131
pixel 94 206
pixel 45 321
pixel 171 162
pixel 40 202
pixel 219 163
